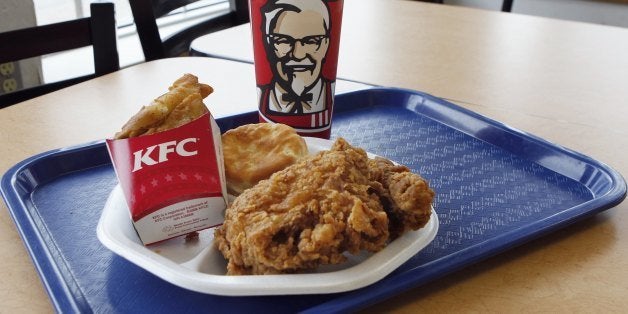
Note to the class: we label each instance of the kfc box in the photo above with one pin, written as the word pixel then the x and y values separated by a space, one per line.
pixel 173 180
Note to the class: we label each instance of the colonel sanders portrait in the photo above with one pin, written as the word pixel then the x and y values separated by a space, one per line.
pixel 296 39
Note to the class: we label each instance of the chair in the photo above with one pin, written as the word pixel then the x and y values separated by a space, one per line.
pixel 507 5
pixel 146 13
pixel 99 31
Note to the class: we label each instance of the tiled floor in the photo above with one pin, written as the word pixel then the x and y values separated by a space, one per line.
pixel 60 66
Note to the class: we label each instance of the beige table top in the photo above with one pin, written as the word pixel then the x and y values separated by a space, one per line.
pixel 562 81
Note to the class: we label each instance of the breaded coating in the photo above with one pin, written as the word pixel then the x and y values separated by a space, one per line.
pixel 190 108
pixel 312 212
pixel 186 92
pixel 406 196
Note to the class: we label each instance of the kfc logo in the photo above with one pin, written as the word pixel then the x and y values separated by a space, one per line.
pixel 156 154
pixel 296 36
pixel 173 181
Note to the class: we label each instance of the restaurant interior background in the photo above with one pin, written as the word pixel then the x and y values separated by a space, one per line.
pixel 63 65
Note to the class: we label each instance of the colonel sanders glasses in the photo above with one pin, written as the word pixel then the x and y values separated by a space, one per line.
pixel 284 44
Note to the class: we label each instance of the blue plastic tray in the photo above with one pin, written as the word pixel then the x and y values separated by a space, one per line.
pixel 496 188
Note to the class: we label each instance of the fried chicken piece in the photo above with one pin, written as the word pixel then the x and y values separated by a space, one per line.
pixel 312 212
pixel 406 196
pixel 190 108
pixel 305 215
pixel 186 92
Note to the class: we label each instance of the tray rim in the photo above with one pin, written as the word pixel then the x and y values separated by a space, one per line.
pixel 619 184
pixel 64 298
pixel 179 275
pixel 35 240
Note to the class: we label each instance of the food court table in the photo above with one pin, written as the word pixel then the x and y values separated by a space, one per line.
pixel 562 81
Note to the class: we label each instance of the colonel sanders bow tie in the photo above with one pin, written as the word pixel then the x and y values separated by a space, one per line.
pixel 297 101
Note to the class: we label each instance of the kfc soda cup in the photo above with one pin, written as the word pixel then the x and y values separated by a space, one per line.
pixel 295 45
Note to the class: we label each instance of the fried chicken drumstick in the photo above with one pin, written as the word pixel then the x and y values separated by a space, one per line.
pixel 312 212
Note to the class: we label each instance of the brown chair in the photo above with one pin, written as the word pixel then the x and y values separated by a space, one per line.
pixel 146 13
pixel 98 30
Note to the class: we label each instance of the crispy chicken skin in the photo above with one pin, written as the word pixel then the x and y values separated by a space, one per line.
pixel 312 212
pixel 181 104
pixel 405 196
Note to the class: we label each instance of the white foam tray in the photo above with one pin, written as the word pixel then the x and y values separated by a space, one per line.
pixel 197 265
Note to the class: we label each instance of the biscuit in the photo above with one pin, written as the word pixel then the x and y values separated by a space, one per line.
pixel 253 152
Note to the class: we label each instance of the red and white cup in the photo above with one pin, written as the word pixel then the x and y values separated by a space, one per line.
pixel 295 45
pixel 173 181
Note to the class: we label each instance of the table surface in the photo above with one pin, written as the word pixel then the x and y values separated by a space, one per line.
pixel 562 81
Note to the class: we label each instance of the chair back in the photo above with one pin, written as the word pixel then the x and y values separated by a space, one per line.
pixel 507 5
pixel 146 13
pixel 98 30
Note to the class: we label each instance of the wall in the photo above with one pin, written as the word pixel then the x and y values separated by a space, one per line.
pixel 15 14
